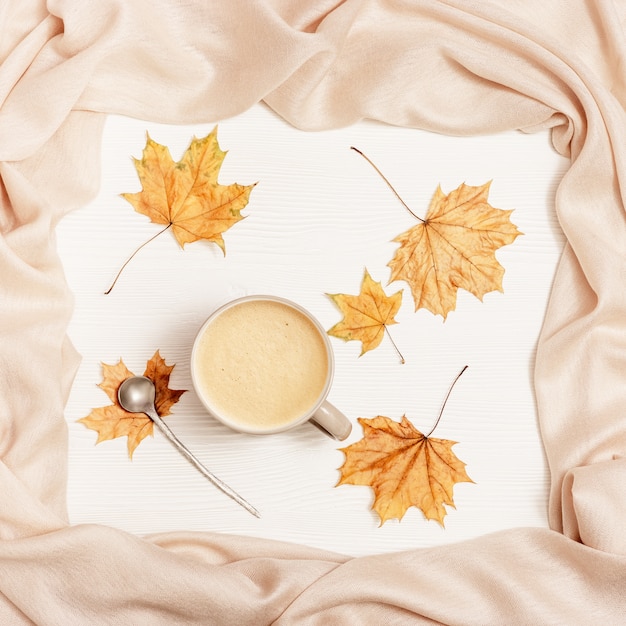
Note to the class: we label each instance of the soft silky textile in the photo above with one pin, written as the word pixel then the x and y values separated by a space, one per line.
pixel 449 66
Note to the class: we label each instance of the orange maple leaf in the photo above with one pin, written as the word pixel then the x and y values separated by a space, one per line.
pixel 452 248
pixel 113 421
pixel 186 195
pixel 404 468
pixel 366 315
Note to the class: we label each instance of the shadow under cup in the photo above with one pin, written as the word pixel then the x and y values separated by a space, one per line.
pixel 263 365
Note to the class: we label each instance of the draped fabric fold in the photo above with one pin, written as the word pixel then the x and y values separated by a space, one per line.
pixel 458 67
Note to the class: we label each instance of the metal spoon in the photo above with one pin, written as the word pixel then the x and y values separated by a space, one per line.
pixel 136 395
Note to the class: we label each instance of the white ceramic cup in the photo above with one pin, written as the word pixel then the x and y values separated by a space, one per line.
pixel 263 364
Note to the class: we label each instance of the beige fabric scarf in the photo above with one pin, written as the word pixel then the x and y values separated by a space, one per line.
pixel 450 66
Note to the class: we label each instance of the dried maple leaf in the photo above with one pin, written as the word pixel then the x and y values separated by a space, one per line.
pixel 367 315
pixel 403 467
pixel 113 421
pixel 186 196
pixel 453 248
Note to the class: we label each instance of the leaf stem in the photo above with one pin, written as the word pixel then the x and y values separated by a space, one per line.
pixel 404 204
pixel 393 343
pixel 445 401
pixel 128 260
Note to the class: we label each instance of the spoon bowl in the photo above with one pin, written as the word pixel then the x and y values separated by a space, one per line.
pixel 136 395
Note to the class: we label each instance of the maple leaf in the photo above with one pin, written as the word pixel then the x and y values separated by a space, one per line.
pixel 113 421
pixel 366 315
pixel 404 467
pixel 185 196
pixel 452 248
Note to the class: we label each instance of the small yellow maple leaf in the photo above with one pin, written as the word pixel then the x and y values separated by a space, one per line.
pixel 113 421
pixel 452 248
pixel 404 468
pixel 366 315
pixel 186 196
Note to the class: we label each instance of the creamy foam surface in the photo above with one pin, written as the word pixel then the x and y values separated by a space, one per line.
pixel 261 364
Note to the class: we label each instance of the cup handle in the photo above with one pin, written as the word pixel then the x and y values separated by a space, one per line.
pixel 331 421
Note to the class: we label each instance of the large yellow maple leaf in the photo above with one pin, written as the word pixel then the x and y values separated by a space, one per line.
pixel 452 248
pixel 404 468
pixel 366 315
pixel 113 421
pixel 186 195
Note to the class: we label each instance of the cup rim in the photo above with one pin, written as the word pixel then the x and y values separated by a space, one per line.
pixel 236 426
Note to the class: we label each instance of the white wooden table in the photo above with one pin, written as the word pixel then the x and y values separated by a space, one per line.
pixel 317 218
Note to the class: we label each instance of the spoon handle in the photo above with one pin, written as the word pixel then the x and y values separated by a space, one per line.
pixel 165 429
